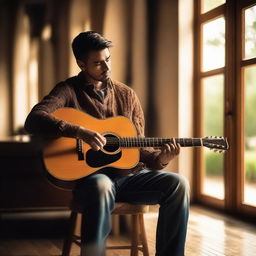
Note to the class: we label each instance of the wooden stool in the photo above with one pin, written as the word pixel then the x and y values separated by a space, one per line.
pixel 138 234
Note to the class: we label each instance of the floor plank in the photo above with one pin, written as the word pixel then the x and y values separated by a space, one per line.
pixel 209 234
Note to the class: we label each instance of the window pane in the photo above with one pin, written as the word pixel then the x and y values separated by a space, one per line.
pixel 250 32
pixel 250 136
pixel 213 181
pixel 214 44
pixel 208 5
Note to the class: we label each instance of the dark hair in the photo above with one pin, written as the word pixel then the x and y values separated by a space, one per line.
pixel 88 41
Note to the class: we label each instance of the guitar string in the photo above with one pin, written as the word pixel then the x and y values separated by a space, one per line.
pixel 132 141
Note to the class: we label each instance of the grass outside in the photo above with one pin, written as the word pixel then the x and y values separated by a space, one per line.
pixel 214 165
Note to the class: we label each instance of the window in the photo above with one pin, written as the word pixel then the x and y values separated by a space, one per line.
pixel 225 86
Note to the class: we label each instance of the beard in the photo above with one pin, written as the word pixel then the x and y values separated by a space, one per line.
pixel 104 77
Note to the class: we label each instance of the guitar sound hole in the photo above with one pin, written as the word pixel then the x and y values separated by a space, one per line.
pixel 112 143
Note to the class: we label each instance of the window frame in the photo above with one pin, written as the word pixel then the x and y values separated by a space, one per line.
pixel 233 104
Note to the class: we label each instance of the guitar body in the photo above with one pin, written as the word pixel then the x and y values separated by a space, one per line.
pixel 62 160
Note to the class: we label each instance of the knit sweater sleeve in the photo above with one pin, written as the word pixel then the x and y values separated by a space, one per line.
pixel 41 122
pixel 148 155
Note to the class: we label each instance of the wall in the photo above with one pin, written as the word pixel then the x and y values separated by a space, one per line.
pixel 152 53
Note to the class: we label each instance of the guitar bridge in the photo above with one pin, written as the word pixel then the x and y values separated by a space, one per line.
pixel 79 149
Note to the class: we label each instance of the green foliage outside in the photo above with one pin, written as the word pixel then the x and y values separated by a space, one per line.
pixel 214 165
pixel 250 166
pixel 213 115
pixel 250 102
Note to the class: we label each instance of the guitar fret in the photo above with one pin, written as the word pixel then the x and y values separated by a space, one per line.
pixel 189 142
pixel 129 142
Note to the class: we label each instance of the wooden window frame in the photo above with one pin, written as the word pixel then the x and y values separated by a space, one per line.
pixel 240 64
pixel 233 104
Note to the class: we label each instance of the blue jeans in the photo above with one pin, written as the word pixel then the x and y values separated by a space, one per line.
pixel 100 192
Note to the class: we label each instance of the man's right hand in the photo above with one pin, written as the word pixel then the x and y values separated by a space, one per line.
pixel 94 139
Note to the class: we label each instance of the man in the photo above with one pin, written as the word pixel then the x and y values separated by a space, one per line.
pixel 93 92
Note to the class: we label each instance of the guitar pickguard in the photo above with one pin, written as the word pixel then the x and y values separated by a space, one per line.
pixel 96 159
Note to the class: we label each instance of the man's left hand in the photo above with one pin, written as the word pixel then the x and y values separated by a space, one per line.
pixel 168 152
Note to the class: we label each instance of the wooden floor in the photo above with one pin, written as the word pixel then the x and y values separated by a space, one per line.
pixel 209 234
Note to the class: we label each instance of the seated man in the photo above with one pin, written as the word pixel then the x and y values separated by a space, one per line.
pixel 92 91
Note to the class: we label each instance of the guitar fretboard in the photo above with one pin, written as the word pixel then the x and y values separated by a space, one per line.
pixel 151 142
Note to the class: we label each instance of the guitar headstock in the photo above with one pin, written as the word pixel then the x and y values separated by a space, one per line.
pixel 218 144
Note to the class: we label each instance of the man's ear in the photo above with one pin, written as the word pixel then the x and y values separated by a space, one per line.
pixel 81 65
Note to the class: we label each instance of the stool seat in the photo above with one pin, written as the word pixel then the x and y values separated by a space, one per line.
pixel 127 208
pixel 138 234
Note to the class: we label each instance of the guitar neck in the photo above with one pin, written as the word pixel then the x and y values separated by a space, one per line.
pixel 151 142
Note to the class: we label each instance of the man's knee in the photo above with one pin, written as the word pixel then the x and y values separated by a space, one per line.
pixel 101 184
pixel 179 183
pixel 183 184
pixel 98 184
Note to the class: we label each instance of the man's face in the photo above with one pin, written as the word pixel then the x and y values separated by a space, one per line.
pixel 98 65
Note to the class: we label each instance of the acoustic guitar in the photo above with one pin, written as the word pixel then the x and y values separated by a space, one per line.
pixel 69 159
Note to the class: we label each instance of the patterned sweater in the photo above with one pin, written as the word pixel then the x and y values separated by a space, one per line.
pixel 76 93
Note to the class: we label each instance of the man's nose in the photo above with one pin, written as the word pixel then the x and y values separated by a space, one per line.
pixel 106 66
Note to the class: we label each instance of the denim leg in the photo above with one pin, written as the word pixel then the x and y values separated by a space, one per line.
pixel 97 192
pixel 173 218
pixel 171 191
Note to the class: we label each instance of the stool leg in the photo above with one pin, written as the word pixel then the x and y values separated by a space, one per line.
pixel 116 225
pixel 68 241
pixel 135 235
pixel 143 236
